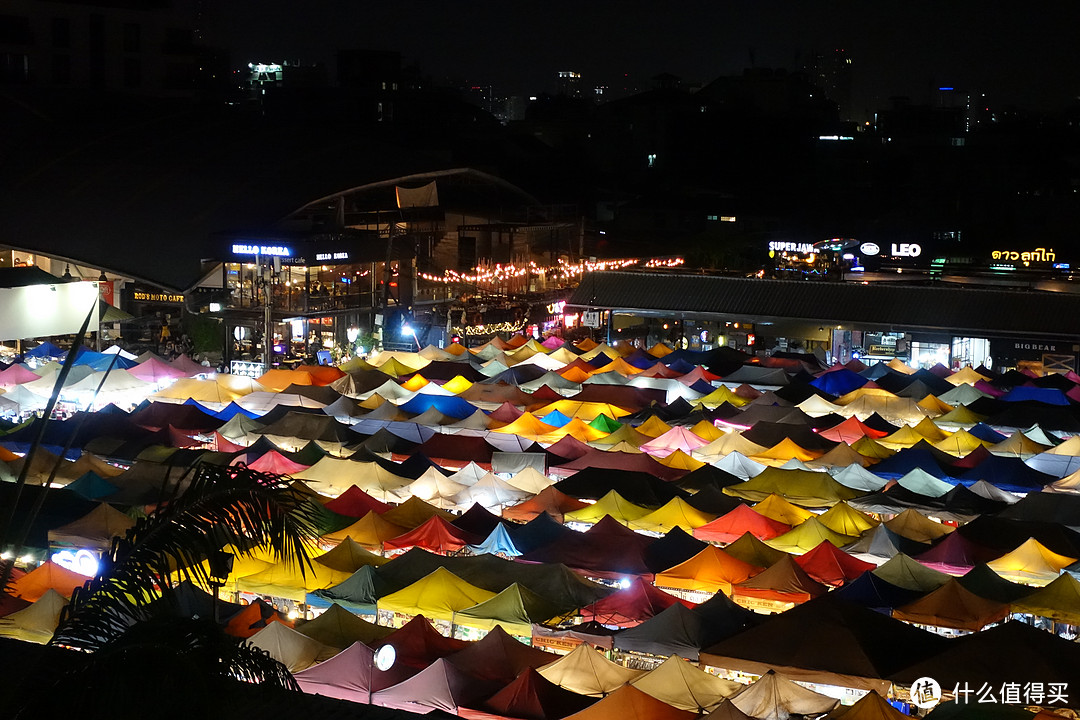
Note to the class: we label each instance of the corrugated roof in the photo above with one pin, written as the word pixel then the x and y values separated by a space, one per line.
pixel 948 309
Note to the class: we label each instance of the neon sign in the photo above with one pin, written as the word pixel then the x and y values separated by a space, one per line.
pixel 83 562
pixel 1036 255
pixel 276 250
pixel 779 246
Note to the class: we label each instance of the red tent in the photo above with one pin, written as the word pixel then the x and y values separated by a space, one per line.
pixel 417 644
pixel 436 535
pixel 532 697
pixel 549 500
pixel 828 564
pixel 851 430
pixel 631 605
pixel 274 462
pixel 356 503
pixel 743 519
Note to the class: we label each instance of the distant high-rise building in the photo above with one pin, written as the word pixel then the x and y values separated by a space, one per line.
pixel 569 83
pixel 831 72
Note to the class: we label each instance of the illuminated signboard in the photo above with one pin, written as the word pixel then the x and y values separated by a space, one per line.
pixel 906 250
pixel 145 296
pixel 272 250
pixel 779 246
pixel 1036 255
pixel 83 562
pixel 323 257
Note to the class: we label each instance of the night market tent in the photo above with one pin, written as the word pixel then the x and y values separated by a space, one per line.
pixel 215 393
pixel 355 503
pixel 843 519
pixel 923 483
pixel 629 702
pixel 94 530
pixel 829 565
pixel 498 542
pixel 953 606
pixel 870 591
pixel 901 570
pixel 870 706
pixel 1012 652
pixel 351 675
pixel 753 551
pixel 293 650
pixel 46 576
pixel 607 548
pixel 780 510
pixel 955 554
pixel 635 487
pixel 413 513
pixel 530 480
pixel 370 531
pixel 775 697
pixel 1059 461
pixel 435 488
pixel 806 536
pixel 285 580
pixel 333 476
pixel 1058 600
pixel 864 647
pixel 675 513
pixel 783 581
pixel 515 609
pixel 436 535
pixel 710 571
pixel 548 501
pixel 338 628
pixel 531 697
pixel 358 593
pixel 742 519
pixel 499 657
pixel 729 444
pixel 803 488
pixel 491 492
pixel 348 557
pixel 438 596
pixel 587 672
pixel 630 605
pixel 913 525
pixel 880 544
pixel 36 622
pixel 440 686
pixel 1032 563
pixel 681 684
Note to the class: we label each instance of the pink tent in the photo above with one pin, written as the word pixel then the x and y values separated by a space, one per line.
pixel 351 675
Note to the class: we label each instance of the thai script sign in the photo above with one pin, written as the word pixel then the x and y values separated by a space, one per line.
pixel 1036 255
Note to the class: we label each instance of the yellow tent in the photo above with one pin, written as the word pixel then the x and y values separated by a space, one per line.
pixel 863 392
pixel 684 685
pixel 930 431
pixel 370 531
pixel 785 450
pixel 659 350
pixel 585 411
pixel 577 429
pixel 348 556
pixel 457 385
pixel 437 596
pixel 934 406
pixel 654 427
pixel 587 672
pixel 905 437
pixel 575 374
pixel 36 622
pixel 1031 564
pixel 843 519
pixel 960 415
pixel 900 366
pixel 707 431
pixel 613 504
pixel 966 375
pixel 680 461
pixel 620 366
pixel 621 447
pixel 710 571
pixel 806 488
pixel 333 476
pixel 1019 445
pixel 960 443
pixel 416 382
pixel 285 580
pixel 807 536
pixel 675 513
pixel 719 396
pixel 413 513
pixel 527 426
pixel 868 447
pixel 215 393
pixel 729 443
pixel 602 348
pixel 412 361
pixel 1059 600
pixel 777 508
pixel 277 379
pixel 841 456
pixel 626 434
pixel 913 525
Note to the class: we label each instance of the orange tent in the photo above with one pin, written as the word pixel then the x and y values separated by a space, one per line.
pixel 38 581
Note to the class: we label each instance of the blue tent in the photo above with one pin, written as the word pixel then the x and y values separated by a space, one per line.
pixel 839 382
pixel 871 591
pixel 987 433
pixel 46 350
pixel 449 405
pixel 1048 396
pixel 498 542
pixel 1008 473
pixel 907 460
pixel 92 486
pixel 555 419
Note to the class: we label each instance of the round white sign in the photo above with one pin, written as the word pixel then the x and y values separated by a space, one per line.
pixel 869 248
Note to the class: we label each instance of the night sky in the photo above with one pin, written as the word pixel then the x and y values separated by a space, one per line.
pixel 1021 53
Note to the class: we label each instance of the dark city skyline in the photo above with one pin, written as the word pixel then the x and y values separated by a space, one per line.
pixel 1014 54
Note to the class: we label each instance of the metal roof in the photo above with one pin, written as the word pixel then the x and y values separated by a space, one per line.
pixel 878 305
